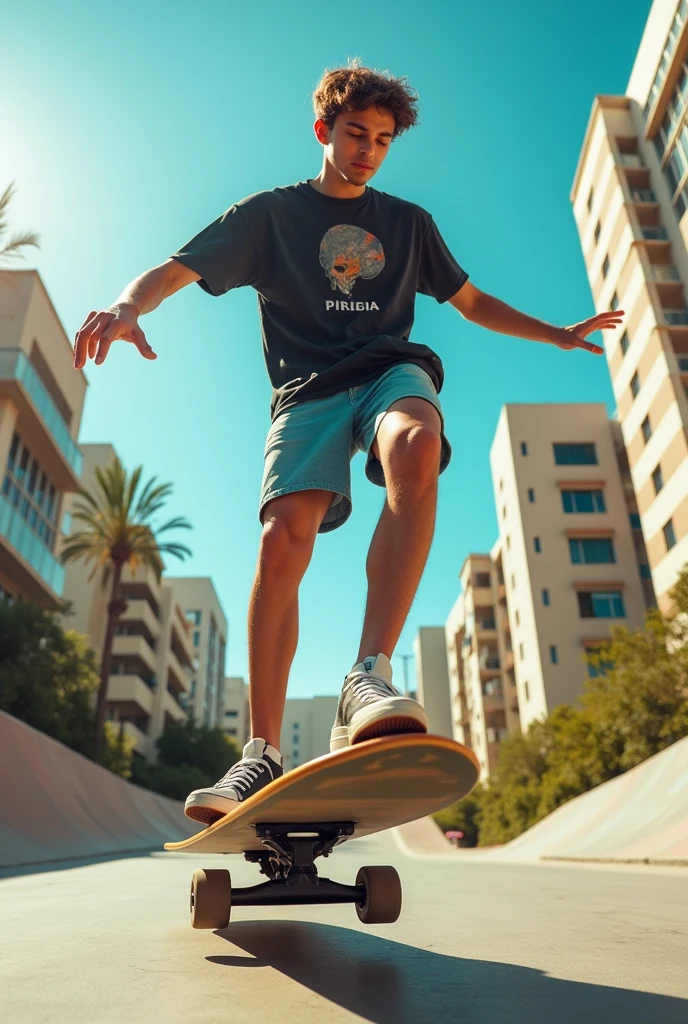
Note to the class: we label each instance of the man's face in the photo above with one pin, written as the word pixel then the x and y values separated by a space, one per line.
pixel 358 142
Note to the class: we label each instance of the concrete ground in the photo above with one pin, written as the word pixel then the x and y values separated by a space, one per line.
pixel 477 942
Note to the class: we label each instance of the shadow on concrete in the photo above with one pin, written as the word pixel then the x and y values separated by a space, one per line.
pixel 16 870
pixel 389 982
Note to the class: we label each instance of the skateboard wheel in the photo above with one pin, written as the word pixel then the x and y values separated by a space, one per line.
pixel 210 900
pixel 383 895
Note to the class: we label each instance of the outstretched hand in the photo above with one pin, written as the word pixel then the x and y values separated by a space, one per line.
pixel 574 336
pixel 100 329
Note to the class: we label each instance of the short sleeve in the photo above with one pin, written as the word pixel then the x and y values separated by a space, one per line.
pixel 439 274
pixel 224 254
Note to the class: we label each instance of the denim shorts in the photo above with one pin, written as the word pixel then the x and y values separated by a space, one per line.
pixel 311 445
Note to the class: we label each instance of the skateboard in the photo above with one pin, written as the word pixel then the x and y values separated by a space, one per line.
pixel 305 814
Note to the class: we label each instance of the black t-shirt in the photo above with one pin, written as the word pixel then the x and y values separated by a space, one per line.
pixel 336 282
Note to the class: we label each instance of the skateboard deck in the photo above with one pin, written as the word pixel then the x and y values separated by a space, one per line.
pixel 376 784
pixel 366 788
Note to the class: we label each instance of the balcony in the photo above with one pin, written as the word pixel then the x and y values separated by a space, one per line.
pixel 132 691
pixel 124 646
pixel 485 626
pixel 490 663
pixel 181 677
pixel 173 709
pixel 142 742
pixel 631 160
pixel 509 661
pixel 643 195
pixel 654 234
pixel 20 382
pixel 664 273
pixel 675 317
pixel 21 537
pixel 139 610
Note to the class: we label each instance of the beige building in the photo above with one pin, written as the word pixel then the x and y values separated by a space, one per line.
pixel 432 674
pixel 306 728
pixel 152 652
pixel 236 717
pixel 208 624
pixel 482 686
pixel 570 545
pixel 629 196
pixel 41 402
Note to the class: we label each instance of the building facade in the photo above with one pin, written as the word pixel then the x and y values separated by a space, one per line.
pixel 41 403
pixel 432 674
pixel 236 716
pixel 208 624
pixel 629 198
pixel 306 728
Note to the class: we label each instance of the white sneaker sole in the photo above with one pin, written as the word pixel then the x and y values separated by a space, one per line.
pixel 384 718
pixel 208 807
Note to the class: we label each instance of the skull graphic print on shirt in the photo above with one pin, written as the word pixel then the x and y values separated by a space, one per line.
pixel 348 252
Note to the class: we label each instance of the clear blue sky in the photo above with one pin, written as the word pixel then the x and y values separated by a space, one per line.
pixel 129 127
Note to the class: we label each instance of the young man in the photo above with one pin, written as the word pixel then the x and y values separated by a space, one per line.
pixel 336 265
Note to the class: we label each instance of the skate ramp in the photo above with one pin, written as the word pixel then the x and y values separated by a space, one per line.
pixel 58 805
pixel 641 815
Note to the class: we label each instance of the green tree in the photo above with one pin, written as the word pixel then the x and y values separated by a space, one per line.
pixel 14 245
pixel 190 756
pixel 119 531
pixel 462 817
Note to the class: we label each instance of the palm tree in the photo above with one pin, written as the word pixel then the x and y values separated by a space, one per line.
pixel 117 533
pixel 13 247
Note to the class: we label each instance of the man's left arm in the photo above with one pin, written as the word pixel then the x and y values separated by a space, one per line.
pixel 495 315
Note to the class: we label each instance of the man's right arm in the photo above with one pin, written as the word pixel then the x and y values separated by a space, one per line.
pixel 120 320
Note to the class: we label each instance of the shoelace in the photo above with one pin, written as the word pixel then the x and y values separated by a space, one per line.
pixel 242 775
pixel 370 687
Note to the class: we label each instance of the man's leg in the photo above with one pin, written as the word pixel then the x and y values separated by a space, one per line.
pixel 408 445
pixel 290 526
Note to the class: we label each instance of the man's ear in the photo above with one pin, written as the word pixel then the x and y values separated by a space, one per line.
pixel 322 132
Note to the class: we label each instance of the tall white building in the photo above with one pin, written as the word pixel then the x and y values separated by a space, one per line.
pixel 306 729
pixel 432 673
pixel 235 722
pixel 198 598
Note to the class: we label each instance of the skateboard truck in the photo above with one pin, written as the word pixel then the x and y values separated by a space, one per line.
pixel 289 863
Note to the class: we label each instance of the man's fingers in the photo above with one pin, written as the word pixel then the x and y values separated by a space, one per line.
pixel 103 347
pixel 81 339
pixel 582 343
pixel 139 339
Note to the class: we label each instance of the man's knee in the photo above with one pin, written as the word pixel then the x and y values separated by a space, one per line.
pixel 290 526
pixel 414 454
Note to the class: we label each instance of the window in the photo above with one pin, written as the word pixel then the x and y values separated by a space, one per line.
pixel 575 455
pixel 231 714
pixel 646 429
pixel 513 581
pixel 590 197
pixel 591 550
pixel 537 545
pixel 634 520
pixel 508 542
pixel 601 604
pixel 553 656
pixel 524 448
pixel 517 618
pixel 598 228
pixel 583 501
pixel 531 495
pixel 658 479
pixel 669 534
pixel 501 484
pixel 526 691
pixel 645 573
pixel 521 652
pixel 295 739
pixel 29 491
pixel 295 725
pixel 605 266
pixel 194 617
pixel 624 343
pixel 614 304
pixel 635 384
pixel 503 511
pixel 482 579
pixel 545 597
pixel 196 638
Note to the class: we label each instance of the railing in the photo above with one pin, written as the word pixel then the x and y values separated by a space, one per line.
pixel 17 531
pixel 490 662
pixel 631 160
pixel 675 317
pixel 15 365
pixel 487 624
pixel 654 232
pixel 664 272
pixel 643 195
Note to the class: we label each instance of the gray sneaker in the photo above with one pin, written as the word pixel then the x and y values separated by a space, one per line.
pixel 370 706
pixel 260 765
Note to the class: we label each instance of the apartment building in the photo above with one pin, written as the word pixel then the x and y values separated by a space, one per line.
pixel 306 729
pixel 570 545
pixel 236 717
pixel 482 685
pixel 432 673
pixel 208 623
pixel 41 403
pixel 152 653
pixel 629 198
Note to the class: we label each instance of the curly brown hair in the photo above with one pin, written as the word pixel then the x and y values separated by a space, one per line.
pixel 356 88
